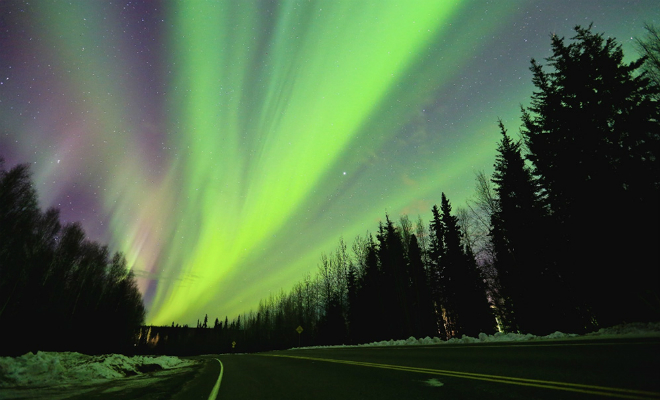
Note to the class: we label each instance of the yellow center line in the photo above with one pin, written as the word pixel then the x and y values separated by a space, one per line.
pixel 565 386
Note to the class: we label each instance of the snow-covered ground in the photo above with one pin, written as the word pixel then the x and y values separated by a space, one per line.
pixel 625 330
pixel 52 368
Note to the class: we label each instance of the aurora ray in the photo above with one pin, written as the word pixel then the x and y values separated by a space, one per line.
pixel 223 146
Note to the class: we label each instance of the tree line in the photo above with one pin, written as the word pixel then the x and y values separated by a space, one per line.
pixel 393 285
pixel 562 236
pixel 59 291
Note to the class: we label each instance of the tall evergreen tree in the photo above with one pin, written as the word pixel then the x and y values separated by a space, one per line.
pixel 435 271
pixel 353 290
pixel 370 313
pixel 395 280
pixel 423 316
pixel 451 264
pixel 529 282
pixel 461 292
pixel 593 134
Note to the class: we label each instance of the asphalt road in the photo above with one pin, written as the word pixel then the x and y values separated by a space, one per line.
pixel 577 369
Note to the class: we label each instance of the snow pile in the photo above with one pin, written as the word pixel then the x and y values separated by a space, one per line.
pixel 625 330
pixel 48 368
pixel 483 338
pixel 510 337
pixel 628 330
pixel 411 341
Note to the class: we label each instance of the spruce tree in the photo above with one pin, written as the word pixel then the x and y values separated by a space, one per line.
pixel 353 293
pixel 463 297
pixel 395 280
pixel 424 323
pixel 435 272
pixel 518 238
pixel 592 130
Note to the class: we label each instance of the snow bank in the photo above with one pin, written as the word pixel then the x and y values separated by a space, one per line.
pixel 629 330
pixel 48 368
pixel 483 338
pixel 625 330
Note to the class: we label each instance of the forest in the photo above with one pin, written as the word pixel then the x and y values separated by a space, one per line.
pixel 562 236
pixel 59 291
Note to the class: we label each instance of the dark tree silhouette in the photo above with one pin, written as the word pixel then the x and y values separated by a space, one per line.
pixel 592 133
pixel 369 309
pixel 435 269
pixel 52 276
pixel 466 307
pixel 423 315
pixel 394 280
pixel 529 282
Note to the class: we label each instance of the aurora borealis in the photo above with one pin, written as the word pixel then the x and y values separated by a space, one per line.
pixel 223 146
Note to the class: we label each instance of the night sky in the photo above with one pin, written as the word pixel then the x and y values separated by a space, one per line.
pixel 224 146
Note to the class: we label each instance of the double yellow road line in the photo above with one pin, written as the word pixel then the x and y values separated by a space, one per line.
pixel 565 386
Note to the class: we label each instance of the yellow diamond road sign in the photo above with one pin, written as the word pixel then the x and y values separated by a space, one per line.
pixel 299 329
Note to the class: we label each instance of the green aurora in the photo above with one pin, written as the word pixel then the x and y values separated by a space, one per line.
pixel 224 146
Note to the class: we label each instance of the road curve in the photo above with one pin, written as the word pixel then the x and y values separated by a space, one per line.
pixel 571 369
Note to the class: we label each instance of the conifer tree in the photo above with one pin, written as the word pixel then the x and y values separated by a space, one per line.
pixel 528 282
pixel 424 323
pixel 393 280
pixel 462 296
pixel 436 253
pixel 592 133
pixel 353 290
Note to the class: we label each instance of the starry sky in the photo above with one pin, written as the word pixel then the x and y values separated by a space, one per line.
pixel 224 146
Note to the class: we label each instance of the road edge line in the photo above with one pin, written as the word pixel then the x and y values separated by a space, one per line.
pixel 216 387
